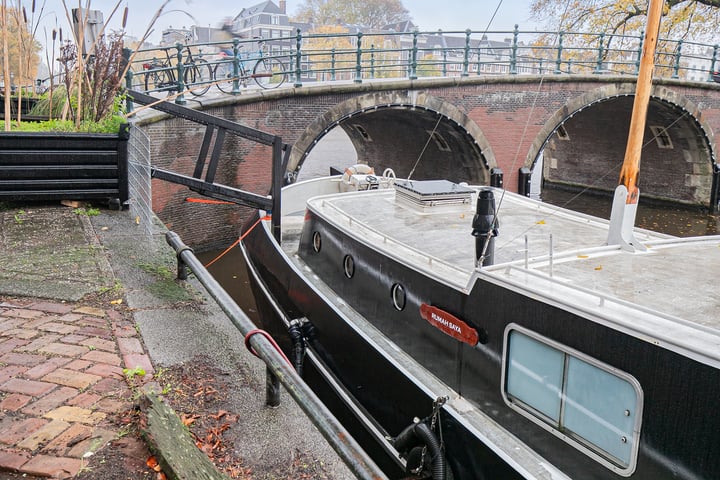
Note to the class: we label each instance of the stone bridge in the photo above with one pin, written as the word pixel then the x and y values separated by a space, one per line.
pixel 470 129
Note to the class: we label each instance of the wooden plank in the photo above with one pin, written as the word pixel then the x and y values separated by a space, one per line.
pixel 173 446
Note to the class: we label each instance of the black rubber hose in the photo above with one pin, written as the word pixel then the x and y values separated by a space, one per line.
pixel 298 351
pixel 420 433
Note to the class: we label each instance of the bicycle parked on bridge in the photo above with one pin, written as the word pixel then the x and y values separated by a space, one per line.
pixel 266 70
pixel 161 75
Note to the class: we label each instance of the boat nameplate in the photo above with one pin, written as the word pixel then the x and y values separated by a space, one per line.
pixel 449 324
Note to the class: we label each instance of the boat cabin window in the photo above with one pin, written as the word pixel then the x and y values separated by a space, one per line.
pixel 591 405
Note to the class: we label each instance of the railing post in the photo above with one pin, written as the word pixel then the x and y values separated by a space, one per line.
pixel 513 52
pixel 558 60
pixel 298 58
pixel 180 100
pixel 639 53
pixel 413 57
pixel 712 65
pixel 601 54
pixel 678 56
pixel 444 67
pixel 466 59
pixel 127 53
pixel 236 67
pixel 358 63
pixel 332 65
pixel 372 61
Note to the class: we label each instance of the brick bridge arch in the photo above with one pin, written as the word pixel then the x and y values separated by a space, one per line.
pixel 579 122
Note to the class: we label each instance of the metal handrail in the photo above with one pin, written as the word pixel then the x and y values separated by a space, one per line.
pixel 310 57
pixel 337 436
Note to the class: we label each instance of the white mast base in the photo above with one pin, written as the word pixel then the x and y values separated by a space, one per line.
pixel 622 222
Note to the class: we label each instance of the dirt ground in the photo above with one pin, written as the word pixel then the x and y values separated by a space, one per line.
pixel 198 392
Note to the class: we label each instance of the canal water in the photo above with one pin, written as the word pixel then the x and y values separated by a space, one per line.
pixel 335 150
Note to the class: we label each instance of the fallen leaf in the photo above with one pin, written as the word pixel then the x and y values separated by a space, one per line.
pixel 599 267
pixel 116 302
pixel 220 414
pixel 151 462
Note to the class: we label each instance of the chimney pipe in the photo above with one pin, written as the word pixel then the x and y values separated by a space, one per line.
pixel 283 6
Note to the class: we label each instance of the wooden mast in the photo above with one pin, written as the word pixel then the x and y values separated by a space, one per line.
pixel 624 209
pixel 631 164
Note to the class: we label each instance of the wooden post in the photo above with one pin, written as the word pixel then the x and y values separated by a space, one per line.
pixel 631 163
pixel 6 64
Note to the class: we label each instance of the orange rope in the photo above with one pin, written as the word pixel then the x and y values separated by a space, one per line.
pixel 208 201
pixel 236 242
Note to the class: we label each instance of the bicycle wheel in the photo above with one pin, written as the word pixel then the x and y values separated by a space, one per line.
pixel 224 77
pixel 197 77
pixel 152 80
pixel 269 73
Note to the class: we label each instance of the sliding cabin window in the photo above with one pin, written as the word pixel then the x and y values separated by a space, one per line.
pixel 591 405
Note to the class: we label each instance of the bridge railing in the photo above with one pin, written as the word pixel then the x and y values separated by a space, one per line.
pixel 326 57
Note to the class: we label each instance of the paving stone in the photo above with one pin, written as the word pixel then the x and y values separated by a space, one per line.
pixel 52 466
pixel 78 365
pixel 19 429
pixel 112 405
pixel 22 313
pixel 73 339
pixel 11 344
pixel 91 331
pixel 84 400
pixel 95 312
pixel 50 401
pixel 27 387
pixel 14 402
pixel 102 357
pixel 63 349
pixel 43 369
pixel 110 386
pixel 11 371
pixel 51 307
pixel 97 440
pixel 70 317
pixel 75 434
pixel 71 378
pixel 34 324
pixel 23 359
pixel 39 343
pixel 100 323
pixel 121 331
pixel 134 360
pixel 130 345
pixel 10 323
pixel 56 327
pixel 43 435
pixel 21 333
pixel 12 461
pixel 75 414
pixel 100 344
pixel 105 370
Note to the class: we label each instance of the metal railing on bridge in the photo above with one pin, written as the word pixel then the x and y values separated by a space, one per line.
pixel 326 57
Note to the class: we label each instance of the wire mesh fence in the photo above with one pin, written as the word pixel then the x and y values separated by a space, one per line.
pixel 140 203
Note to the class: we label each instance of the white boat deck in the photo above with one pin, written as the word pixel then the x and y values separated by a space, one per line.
pixel 672 289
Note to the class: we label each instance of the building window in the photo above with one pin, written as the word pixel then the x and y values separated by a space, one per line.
pixel 591 405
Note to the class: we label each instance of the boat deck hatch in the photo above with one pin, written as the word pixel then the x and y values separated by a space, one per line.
pixel 431 193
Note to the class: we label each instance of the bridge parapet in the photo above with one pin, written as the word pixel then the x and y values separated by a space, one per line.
pixel 310 58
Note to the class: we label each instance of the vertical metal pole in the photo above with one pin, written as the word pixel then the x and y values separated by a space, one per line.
pixel 298 58
pixel 715 191
pixel 413 57
pixel 444 67
pixel 236 67
pixel 513 52
pixel 466 59
pixel 678 57
pixel 272 389
pixel 276 192
pixel 558 60
pixel 332 65
pixel 639 53
pixel 358 62
pixel 372 61
pixel 180 100
pixel 127 53
pixel 601 54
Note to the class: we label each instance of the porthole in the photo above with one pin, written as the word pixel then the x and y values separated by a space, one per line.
pixel 349 266
pixel 398 296
pixel 317 241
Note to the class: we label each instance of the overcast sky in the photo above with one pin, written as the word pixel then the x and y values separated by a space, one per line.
pixel 427 14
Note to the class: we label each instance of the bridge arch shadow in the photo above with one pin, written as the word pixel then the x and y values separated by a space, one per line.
pixel 411 132
pixel 583 144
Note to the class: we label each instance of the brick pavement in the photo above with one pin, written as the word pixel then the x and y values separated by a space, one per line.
pixel 62 387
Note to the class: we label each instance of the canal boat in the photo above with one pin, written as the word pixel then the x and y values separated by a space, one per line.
pixel 466 332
